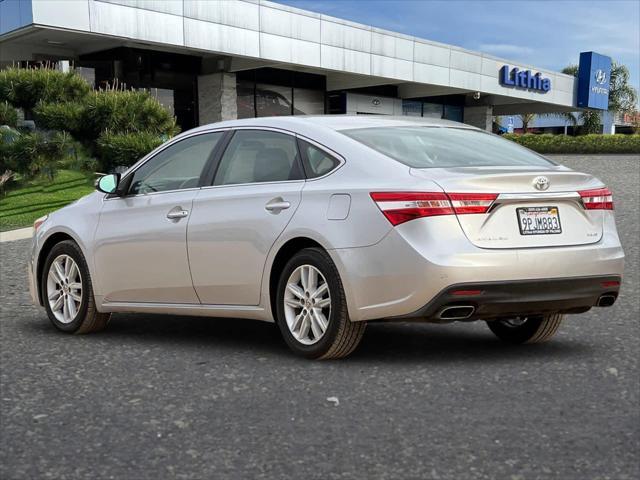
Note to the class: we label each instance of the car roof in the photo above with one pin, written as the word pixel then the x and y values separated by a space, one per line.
pixel 337 122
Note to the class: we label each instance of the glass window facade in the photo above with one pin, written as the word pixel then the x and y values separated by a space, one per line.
pixel 246 100
pixel 273 92
pixel 308 102
pixel 171 77
pixel 450 107
pixel 412 108
pixel 273 100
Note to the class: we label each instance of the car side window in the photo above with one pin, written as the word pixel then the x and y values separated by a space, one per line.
pixel 177 167
pixel 317 162
pixel 254 156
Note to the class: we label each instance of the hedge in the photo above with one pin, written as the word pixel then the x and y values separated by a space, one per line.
pixel 547 143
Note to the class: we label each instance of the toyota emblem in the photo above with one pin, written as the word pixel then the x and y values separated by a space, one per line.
pixel 541 183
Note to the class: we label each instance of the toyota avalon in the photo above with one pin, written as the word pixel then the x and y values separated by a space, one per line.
pixel 321 224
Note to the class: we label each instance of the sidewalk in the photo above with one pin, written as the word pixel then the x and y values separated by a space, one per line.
pixel 13 235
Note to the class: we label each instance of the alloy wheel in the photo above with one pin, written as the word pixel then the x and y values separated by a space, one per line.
pixel 64 288
pixel 307 304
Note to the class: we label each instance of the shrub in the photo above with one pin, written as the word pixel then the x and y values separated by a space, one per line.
pixel 593 144
pixel 127 111
pixel 25 87
pixel 122 114
pixel 7 137
pixel 59 116
pixel 8 115
pixel 36 153
pixel 124 149
pixel 117 125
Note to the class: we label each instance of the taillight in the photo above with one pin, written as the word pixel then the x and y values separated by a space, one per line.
pixel 597 199
pixel 400 207
pixel 471 202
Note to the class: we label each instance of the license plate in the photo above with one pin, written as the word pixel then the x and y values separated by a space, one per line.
pixel 539 220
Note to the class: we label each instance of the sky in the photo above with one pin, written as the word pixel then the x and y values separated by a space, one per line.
pixel 543 33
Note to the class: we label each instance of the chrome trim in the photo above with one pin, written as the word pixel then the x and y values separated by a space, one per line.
pixel 137 195
pixel 519 197
pixel 254 312
pixel 208 187
pixel 506 198
pixel 456 307
pixel 159 149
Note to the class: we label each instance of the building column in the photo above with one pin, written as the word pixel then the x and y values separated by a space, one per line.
pixel 480 116
pixel 217 97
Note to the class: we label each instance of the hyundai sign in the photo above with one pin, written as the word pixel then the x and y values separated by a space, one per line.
pixel 593 81
pixel 525 79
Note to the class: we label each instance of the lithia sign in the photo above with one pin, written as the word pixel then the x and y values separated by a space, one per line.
pixel 525 79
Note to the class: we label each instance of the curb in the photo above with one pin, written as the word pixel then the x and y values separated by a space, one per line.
pixel 13 235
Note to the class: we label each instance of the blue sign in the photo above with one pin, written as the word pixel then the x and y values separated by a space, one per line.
pixel 526 79
pixel 593 81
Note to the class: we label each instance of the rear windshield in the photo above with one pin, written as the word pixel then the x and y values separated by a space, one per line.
pixel 444 147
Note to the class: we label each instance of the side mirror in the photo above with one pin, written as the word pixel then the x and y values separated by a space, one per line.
pixel 108 183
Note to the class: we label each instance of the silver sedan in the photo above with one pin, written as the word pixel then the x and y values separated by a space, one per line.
pixel 321 224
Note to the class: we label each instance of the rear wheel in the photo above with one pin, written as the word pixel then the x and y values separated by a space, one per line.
pixel 312 308
pixel 531 329
pixel 68 293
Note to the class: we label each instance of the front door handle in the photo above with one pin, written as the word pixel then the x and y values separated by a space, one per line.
pixel 276 205
pixel 177 213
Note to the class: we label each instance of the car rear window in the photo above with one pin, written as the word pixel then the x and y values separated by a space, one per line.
pixel 445 147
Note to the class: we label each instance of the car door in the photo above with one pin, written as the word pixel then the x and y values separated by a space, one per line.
pixel 140 242
pixel 235 221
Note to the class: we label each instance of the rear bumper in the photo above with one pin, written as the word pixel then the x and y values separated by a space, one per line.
pixel 474 301
pixel 419 260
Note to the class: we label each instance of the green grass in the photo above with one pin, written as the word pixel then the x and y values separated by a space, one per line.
pixel 25 203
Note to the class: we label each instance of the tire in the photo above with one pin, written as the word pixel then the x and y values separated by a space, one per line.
pixel 534 329
pixel 83 317
pixel 340 335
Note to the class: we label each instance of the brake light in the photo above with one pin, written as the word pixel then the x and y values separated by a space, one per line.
pixel 400 207
pixel 597 199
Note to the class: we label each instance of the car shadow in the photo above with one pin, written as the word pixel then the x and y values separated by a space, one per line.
pixel 383 341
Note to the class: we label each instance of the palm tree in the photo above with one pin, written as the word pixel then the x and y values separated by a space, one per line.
pixel 622 98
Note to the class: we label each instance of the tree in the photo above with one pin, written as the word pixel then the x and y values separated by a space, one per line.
pixel 622 98
pixel 526 119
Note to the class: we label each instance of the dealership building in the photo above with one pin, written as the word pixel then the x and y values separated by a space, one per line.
pixel 216 60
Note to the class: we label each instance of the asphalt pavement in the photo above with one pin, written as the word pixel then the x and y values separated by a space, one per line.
pixel 157 397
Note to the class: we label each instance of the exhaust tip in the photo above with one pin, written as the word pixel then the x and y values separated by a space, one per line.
pixel 456 312
pixel 606 300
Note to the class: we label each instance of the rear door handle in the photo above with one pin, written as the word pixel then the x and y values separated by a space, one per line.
pixel 177 213
pixel 276 205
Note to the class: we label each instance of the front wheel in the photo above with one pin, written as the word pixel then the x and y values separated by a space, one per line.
pixel 531 329
pixel 67 291
pixel 312 309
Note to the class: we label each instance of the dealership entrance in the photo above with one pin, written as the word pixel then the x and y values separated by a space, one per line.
pixel 209 61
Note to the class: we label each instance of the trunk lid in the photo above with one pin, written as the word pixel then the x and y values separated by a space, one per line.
pixel 523 216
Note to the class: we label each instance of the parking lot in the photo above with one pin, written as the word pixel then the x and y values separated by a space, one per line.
pixel 177 397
